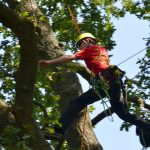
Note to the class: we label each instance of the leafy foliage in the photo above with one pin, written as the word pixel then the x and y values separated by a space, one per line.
pixel 9 59
pixel 45 96
pixel 12 140
pixel 140 85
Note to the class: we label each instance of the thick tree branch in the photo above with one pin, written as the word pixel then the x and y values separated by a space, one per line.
pixel 81 69
pixel 26 75
pixel 10 19
pixel 102 115
pixel 6 117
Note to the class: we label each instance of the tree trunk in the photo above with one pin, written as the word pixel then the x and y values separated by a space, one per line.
pixel 50 49
pixel 42 38
pixel 81 129
pixel 26 76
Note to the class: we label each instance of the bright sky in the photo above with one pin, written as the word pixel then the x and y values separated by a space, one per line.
pixel 129 38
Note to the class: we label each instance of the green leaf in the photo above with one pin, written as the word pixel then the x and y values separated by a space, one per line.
pixel 91 108
pixel 25 14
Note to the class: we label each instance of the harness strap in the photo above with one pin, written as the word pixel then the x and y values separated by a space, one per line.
pixel 107 78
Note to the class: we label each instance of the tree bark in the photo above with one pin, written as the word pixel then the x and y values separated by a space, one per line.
pixel 41 39
pixel 37 40
pixel 81 130
pixel 70 80
pixel 26 77
pixel 6 117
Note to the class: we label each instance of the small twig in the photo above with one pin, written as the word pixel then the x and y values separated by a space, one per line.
pixel 5 73
pixel 138 101
pixel 42 108
pixel 52 136
pixel 60 144
pixel 58 21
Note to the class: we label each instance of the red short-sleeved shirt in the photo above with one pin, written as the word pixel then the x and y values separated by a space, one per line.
pixel 95 57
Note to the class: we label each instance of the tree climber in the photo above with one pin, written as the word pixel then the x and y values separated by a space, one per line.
pixel 107 82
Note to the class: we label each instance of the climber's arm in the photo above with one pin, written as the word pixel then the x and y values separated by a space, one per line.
pixel 61 59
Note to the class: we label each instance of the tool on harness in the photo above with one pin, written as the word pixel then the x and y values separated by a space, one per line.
pixel 99 83
pixel 116 72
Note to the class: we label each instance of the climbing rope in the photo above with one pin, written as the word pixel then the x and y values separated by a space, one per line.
pixel 133 55
pixel 79 32
pixel 73 18
pixel 104 86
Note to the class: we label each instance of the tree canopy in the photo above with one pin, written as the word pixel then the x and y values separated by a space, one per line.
pixel 31 97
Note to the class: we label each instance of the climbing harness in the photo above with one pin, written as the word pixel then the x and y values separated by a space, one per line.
pixel 98 83
pixel 103 81
pixel 119 74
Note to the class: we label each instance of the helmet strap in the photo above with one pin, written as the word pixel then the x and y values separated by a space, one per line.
pixel 89 41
